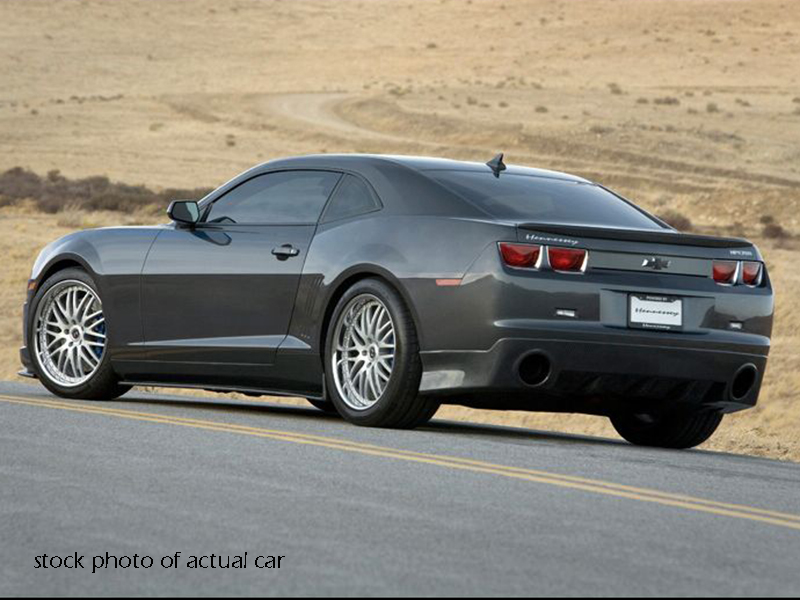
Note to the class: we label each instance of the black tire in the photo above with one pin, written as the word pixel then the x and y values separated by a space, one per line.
pixel 104 383
pixel 400 406
pixel 673 430
pixel 323 405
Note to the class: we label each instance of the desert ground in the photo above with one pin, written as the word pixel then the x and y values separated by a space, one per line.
pixel 689 107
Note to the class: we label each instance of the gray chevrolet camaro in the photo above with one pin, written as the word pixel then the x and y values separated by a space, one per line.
pixel 380 287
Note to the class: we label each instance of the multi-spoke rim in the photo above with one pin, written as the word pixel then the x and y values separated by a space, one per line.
pixel 70 334
pixel 363 352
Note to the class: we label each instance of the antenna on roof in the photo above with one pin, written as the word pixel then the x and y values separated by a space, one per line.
pixel 497 165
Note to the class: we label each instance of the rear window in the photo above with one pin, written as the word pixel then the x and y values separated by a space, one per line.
pixel 544 200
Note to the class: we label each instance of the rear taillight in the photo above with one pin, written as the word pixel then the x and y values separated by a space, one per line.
pixel 521 256
pixel 732 272
pixel 566 259
pixel 751 273
pixel 724 271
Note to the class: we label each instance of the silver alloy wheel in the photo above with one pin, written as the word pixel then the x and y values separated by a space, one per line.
pixel 363 352
pixel 70 333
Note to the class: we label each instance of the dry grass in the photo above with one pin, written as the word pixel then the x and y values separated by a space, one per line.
pixel 54 192
pixel 686 122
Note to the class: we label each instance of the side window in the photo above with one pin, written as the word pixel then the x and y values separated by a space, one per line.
pixel 352 198
pixel 284 197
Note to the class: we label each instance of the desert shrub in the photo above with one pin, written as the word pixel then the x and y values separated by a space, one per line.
pixel 676 220
pixel 774 231
pixel 54 192
pixel 736 229
pixel 667 101
pixel 712 107
pixel 766 219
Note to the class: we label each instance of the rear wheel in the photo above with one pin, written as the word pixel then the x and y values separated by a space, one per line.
pixel 68 335
pixel 372 364
pixel 672 430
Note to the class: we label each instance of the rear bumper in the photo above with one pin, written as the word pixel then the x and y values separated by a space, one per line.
pixel 601 372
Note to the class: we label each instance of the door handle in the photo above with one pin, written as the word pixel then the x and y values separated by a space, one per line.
pixel 285 251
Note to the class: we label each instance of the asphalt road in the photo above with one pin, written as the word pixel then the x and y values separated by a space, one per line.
pixel 449 509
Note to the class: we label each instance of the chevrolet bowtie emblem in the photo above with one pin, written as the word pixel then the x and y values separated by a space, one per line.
pixel 656 263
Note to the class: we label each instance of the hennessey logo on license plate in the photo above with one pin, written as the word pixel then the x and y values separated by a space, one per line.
pixel 655 312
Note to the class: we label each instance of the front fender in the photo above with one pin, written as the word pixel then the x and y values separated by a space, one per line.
pixel 114 258
pixel 71 248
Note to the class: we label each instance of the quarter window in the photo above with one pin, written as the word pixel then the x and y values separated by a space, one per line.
pixel 284 197
pixel 352 197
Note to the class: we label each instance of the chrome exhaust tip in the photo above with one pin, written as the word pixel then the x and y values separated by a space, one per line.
pixel 534 369
pixel 743 381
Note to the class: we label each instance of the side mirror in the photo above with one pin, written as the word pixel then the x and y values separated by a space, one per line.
pixel 184 211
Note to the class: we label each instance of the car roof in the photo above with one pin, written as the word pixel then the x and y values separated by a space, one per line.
pixel 415 163
pixel 403 183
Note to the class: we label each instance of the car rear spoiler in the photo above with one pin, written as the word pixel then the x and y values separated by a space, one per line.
pixel 639 235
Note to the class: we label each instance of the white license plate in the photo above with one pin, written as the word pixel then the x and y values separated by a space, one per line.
pixel 655 312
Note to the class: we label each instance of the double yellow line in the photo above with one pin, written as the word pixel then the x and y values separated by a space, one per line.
pixel 596 486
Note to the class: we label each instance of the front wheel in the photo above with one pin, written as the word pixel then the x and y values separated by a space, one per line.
pixel 372 364
pixel 68 338
pixel 672 430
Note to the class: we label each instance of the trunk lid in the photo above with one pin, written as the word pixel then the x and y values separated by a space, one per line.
pixel 665 252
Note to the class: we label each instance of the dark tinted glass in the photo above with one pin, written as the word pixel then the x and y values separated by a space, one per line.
pixel 544 200
pixel 352 198
pixel 276 198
